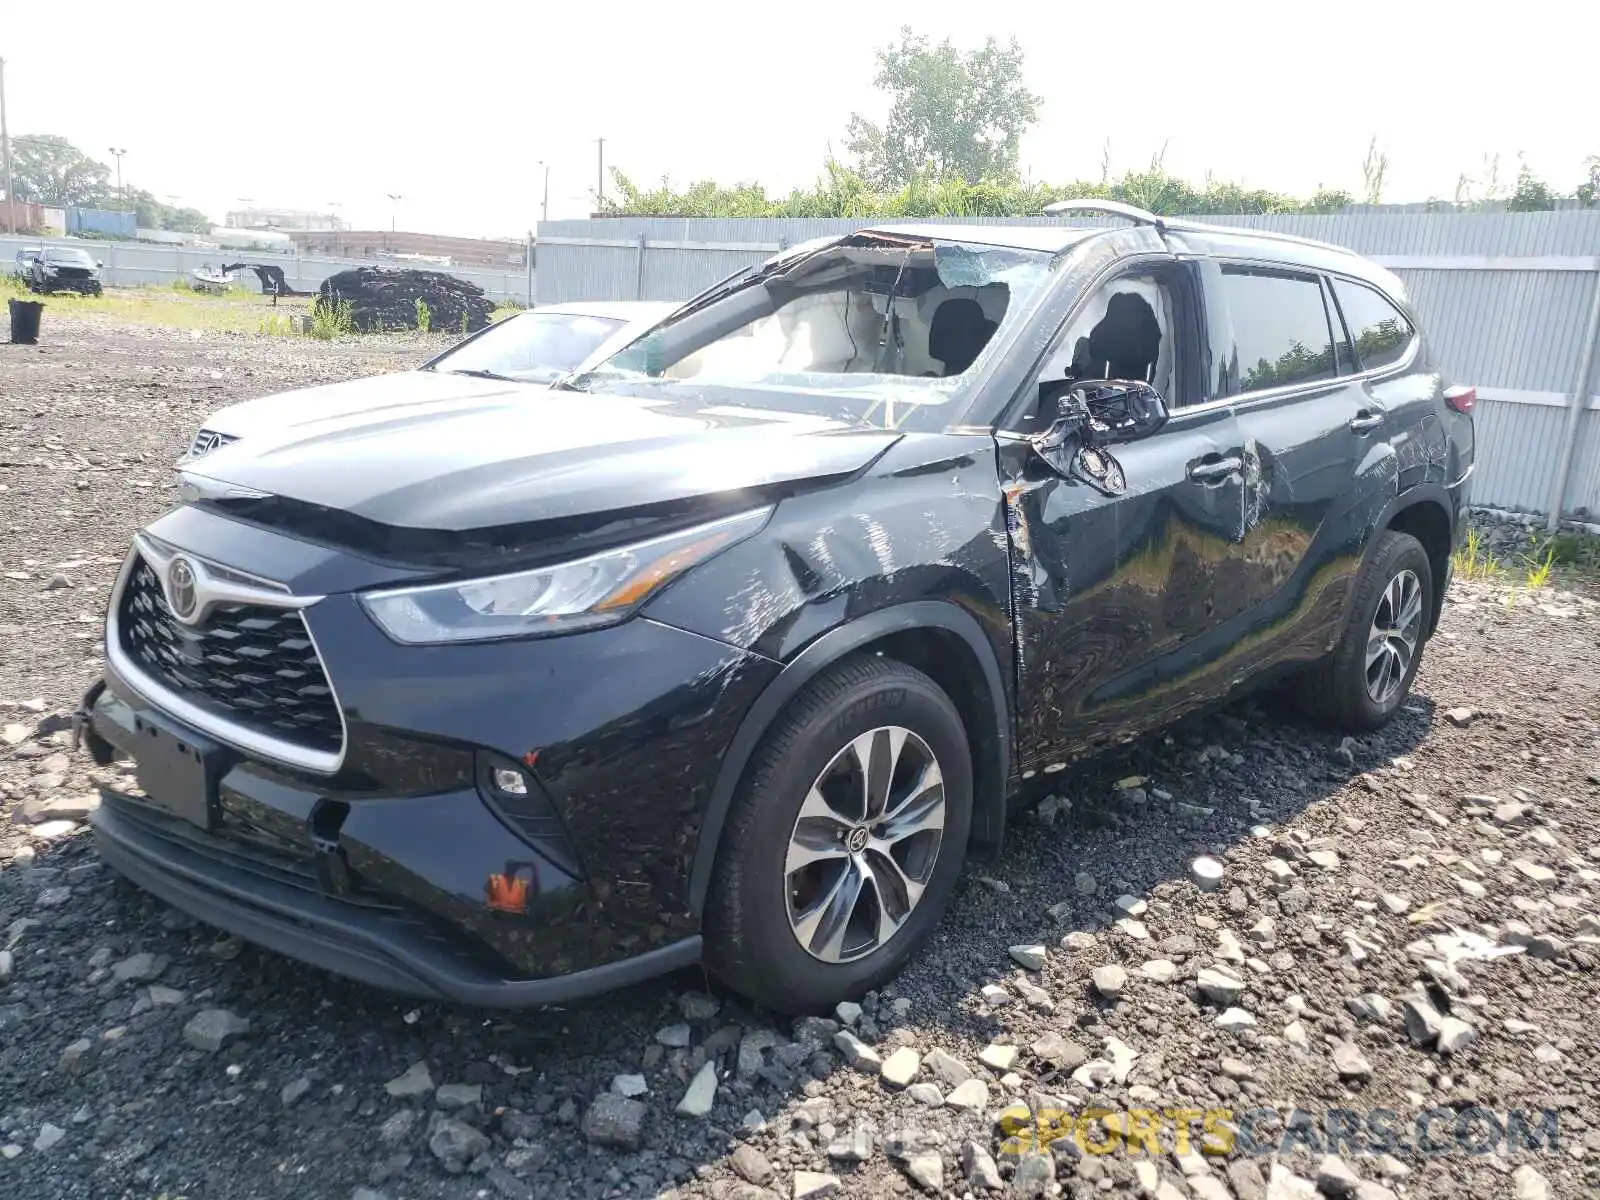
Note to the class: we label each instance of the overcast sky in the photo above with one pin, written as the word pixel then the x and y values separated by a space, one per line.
pixel 306 105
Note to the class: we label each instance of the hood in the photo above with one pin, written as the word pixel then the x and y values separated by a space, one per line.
pixel 282 414
pixel 535 455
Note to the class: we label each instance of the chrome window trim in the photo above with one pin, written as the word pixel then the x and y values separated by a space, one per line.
pixel 240 737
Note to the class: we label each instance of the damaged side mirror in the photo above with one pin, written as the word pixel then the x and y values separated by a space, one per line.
pixel 1093 415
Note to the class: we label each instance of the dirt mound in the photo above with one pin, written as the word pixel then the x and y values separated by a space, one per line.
pixel 384 299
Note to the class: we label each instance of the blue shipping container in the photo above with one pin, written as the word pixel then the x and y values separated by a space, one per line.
pixel 102 220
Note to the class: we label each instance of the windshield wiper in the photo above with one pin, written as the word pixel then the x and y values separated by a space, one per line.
pixel 479 373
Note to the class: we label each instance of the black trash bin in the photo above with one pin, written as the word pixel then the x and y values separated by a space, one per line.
pixel 25 317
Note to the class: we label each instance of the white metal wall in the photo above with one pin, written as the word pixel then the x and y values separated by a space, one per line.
pixel 1504 298
pixel 136 264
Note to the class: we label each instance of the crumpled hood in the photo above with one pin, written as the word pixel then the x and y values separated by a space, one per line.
pixel 528 455
pixel 286 411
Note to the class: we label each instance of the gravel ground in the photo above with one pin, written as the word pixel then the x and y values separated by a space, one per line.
pixel 1449 861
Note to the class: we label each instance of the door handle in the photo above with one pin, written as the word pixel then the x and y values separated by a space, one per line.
pixel 1209 470
pixel 1365 421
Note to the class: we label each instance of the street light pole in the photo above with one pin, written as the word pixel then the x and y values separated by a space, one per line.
pixel 544 205
pixel 122 197
pixel 600 178
pixel 394 199
pixel 5 147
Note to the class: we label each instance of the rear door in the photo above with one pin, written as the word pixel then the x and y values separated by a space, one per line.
pixel 1306 425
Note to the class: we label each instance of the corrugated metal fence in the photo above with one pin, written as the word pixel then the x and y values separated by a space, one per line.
pixel 1505 297
pixel 136 264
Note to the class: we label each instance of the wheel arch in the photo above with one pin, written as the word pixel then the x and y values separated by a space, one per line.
pixel 937 637
pixel 1427 514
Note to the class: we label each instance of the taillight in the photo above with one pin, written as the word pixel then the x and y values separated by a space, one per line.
pixel 1462 399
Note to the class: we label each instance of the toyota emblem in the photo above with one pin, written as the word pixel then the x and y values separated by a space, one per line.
pixel 182 590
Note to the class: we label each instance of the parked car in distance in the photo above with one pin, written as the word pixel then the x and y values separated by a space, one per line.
pixel 533 347
pixel 62 269
pixel 734 648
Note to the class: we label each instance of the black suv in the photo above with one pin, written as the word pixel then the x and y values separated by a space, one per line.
pixel 734 649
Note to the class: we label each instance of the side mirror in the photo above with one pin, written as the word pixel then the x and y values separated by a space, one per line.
pixel 1096 414
pixel 1119 410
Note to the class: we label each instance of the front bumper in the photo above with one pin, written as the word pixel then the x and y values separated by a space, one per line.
pixel 386 950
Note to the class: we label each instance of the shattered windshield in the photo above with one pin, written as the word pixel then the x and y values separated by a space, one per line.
pixel 875 328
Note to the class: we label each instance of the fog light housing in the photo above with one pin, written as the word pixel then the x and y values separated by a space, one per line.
pixel 510 781
pixel 514 794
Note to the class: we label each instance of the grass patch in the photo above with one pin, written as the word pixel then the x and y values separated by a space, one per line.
pixel 1472 559
pixel 172 307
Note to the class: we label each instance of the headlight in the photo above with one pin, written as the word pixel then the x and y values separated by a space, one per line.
pixel 599 590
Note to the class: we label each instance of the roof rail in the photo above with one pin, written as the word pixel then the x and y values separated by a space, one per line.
pixel 1110 208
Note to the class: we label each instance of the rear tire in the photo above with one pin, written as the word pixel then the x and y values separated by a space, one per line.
pixel 862 788
pixel 1366 679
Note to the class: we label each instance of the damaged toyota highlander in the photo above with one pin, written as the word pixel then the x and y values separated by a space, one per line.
pixel 735 649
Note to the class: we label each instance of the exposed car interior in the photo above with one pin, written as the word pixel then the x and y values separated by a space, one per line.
pixel 869 312
pixel 887 311
pixel 1126 330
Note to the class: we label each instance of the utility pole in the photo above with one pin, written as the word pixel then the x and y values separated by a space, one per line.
pixel 600 178
pixel 122 197
pixel 5 146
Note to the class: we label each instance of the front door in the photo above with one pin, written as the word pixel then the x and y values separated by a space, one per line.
pixel 1117 598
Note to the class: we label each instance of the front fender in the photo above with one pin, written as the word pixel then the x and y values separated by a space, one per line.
pixel 918 541
pixel 808 664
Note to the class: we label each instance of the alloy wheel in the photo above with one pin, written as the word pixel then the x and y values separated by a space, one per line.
pixel 1392 640
pixel 864 844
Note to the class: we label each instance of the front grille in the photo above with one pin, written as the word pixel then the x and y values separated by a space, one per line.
pixel 208 440
pixel 251 664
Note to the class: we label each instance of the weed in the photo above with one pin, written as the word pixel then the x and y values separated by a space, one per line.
pixel 332 318
pixel 278 325
pixel 1472 559
pixel 1539 569
pixel 424 315
pixel 463 324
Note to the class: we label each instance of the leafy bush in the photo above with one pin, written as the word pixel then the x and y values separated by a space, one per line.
pixel 842 192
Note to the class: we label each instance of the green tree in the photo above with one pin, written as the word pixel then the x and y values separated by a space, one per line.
pixel 47 169
pixel 151 213
pixel 1588 191
pixel 1531 194
pixel 952 114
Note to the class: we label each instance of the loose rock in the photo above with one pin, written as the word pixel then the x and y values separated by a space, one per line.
pixel 812 1185
pixel 1031 956
pixel 213 1028
pixel 702 1093
pixel 1109 980
pixel 614 1120
pixel 414 1081
pixel 901 1067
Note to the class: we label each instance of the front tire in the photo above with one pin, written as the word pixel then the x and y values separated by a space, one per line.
pixel 844 842
pixel 1369 674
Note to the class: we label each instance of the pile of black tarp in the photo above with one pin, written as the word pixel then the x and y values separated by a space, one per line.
pixel 384 298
